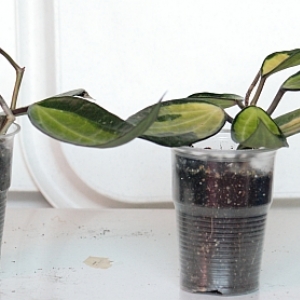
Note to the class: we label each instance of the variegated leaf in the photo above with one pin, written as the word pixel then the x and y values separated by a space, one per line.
pixel 292 83
pixel 84 123
pixel 254 128
pixel 182 122
pixel 289 123
pixel 221 100
pixel 279 61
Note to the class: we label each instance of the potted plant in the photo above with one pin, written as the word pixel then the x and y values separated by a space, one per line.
pixel 222 179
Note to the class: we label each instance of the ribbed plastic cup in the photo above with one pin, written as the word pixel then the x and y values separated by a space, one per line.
pixel 221 198
pixel 6 153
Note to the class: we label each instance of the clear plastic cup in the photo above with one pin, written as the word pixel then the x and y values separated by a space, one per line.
pixel 222 196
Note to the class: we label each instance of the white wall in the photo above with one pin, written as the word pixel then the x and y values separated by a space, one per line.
pixel 127 54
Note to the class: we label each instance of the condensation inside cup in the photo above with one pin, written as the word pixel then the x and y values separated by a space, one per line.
pixel 221 148
pixel 221 141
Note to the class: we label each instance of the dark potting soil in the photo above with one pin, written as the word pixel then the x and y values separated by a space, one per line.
pixel 221 184
pixel 221 213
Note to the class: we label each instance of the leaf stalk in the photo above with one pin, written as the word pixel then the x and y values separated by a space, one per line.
pixel 19 76
pixel 258 91
pixel 275 102
pixel 251 87
pixel 9 117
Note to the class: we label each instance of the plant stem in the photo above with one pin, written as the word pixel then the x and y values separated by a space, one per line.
pixel 251 87
pixel 258 91
pixel 8 119
pixel 19 75
pixel 240 104
pixel 20 111
pixel 275 102
pixel 228 118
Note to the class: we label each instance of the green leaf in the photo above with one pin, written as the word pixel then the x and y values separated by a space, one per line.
pixel 254 128
pixel 292 83
pixel 221 100
pixel 84 123
pixel 78 92
pixel 289 123
pixel 182 122
pixel 279 61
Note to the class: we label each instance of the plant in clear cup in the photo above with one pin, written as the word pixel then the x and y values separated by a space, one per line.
pixel 232 185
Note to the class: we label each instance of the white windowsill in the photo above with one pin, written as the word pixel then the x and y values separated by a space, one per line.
pixel 44 250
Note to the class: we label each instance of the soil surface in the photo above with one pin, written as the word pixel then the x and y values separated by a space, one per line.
pixel 221 184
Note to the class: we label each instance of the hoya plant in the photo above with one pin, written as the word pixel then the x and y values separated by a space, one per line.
pixel 73 117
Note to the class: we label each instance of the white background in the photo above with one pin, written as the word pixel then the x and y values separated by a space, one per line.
pixel 127 54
